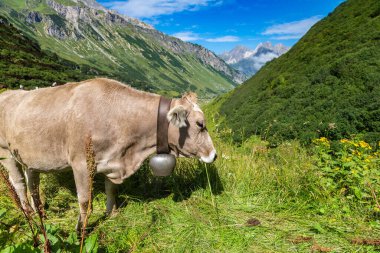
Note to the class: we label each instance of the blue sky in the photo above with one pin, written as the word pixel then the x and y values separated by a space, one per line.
pixel 220 25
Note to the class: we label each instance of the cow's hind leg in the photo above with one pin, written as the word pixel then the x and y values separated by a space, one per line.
pixel 33 182
pixel 16 177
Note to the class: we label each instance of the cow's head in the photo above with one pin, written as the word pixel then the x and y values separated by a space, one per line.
pixel 188 135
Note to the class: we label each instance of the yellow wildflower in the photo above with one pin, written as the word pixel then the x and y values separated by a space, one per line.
pixel 364 144
pixel 347 159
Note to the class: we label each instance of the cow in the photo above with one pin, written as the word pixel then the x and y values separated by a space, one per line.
pixel 45 130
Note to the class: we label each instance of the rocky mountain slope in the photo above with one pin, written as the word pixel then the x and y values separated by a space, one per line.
pixel 24 64
pixel 122 47
pixel 249 61
pixel 328 84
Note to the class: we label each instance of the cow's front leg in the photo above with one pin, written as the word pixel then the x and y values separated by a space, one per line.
pixel 33 182
pixel 82 183
pixel 111 192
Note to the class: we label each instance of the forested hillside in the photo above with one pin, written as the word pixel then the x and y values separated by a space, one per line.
pixel 328 84
pixel 22 62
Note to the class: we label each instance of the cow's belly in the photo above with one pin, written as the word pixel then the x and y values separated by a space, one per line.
pixel 47 166
pixel 40 156
pixel 45 163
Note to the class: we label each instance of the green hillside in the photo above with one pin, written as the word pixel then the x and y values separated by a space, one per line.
pixel 122 47
pixel 328 84
pixel 22 62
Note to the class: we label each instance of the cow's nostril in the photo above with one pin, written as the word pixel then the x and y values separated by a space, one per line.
pixel 216 156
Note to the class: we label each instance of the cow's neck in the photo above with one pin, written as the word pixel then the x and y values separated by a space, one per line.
pixel 145 143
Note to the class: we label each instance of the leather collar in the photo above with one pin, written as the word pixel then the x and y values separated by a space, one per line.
pixel 163 126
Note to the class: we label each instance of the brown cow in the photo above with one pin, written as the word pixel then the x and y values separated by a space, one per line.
pixel 45 130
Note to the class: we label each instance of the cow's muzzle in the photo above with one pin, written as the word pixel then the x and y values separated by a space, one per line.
pixel 211 158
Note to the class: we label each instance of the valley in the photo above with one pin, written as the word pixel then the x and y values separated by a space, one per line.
pixel 296 130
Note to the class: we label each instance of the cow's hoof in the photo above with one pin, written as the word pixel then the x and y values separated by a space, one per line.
pixel 28 209
pixel 112 213
pixel 78 226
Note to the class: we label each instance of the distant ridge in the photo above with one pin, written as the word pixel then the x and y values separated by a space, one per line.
pixel 249 61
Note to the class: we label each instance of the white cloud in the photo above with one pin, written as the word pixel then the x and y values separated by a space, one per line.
pixel 154 8
pixel 191 36
pixel 186 36
pixel 291 30
pixel 224 39
pixel 260 60
pixel 287 37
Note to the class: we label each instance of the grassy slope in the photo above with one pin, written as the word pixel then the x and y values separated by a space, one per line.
pixel 279 187
pixel 22 62
pixel 125 53
pixel 331 75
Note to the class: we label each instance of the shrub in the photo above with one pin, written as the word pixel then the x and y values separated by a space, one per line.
pixel 349 168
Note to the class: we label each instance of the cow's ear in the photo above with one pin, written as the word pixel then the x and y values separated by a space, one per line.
pixel 177 116
pixel 191 96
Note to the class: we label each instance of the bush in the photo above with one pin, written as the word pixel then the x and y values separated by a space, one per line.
pixel 349 168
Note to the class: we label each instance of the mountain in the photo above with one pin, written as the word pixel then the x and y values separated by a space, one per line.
pixel 23 63
pixel 249 61
pixel 328 84
pixel 124 48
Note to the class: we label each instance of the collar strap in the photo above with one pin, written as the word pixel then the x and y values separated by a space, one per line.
pixel 163 126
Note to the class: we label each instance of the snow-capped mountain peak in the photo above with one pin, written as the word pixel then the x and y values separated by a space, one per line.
pixel 249 61
pixel 236 54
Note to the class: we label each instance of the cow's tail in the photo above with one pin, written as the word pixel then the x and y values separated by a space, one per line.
pixel 3 102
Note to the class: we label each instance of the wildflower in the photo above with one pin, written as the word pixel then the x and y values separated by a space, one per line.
pixel 344 141
pixel 347 159
pixel 322 141
pixel 332 126
pixel 364 144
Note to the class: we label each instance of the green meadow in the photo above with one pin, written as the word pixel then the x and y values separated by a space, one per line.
pixel 252 199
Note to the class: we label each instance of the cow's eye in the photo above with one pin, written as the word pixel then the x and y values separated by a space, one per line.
pixel 200 125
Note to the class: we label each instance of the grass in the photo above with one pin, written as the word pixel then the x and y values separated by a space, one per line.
pixel 213 208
